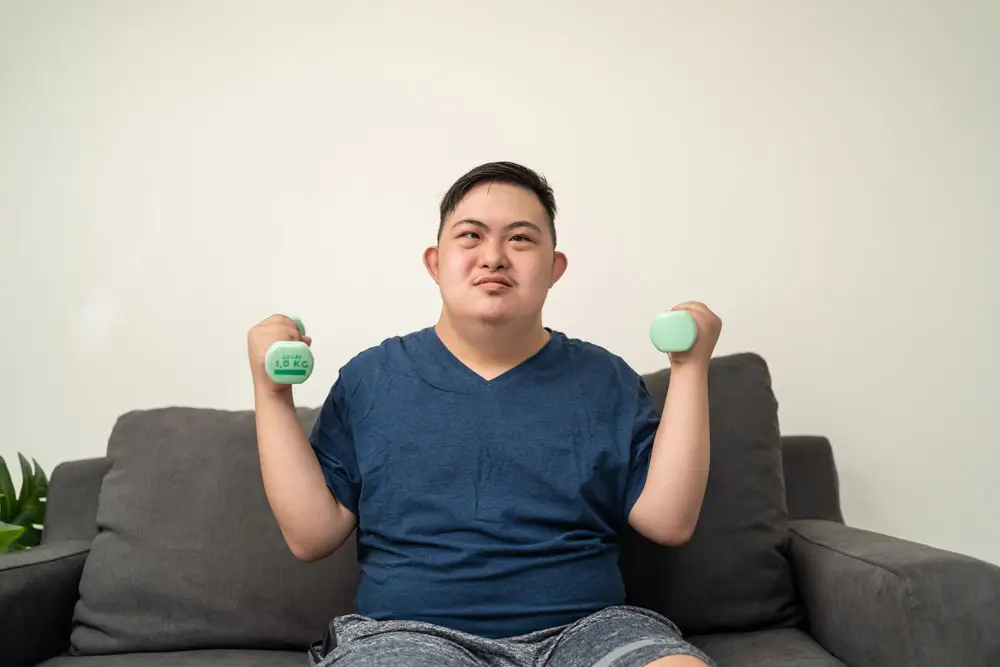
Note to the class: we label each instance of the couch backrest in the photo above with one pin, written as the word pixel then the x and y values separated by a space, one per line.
pixel 734 573
pixel 810 477
pixel 187 553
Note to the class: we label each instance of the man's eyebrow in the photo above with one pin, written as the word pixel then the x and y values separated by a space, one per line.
pixel 512 225
pixel 469 221
pixel 523 223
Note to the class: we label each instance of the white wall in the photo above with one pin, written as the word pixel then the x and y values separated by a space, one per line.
pixel 826 178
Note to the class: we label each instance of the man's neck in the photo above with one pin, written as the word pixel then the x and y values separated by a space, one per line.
pixel 491 349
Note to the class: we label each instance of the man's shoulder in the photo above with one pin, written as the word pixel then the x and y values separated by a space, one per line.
pixel 589 355
pixel 384 355
pixel 363 375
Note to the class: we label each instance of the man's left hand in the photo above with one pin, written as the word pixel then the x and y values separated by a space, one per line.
pixel 709 328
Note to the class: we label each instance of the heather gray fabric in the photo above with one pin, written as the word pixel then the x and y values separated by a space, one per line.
pixel 878 601
pixel 733 574
pixel 812 489
pixel 37 593
pixel 189 555
pixel 204 658
pixel 71 508
pixel 785 647
pixel 620 636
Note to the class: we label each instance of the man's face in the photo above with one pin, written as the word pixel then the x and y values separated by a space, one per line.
pixel 495 260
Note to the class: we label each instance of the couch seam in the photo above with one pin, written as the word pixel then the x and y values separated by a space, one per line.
pixel 838 551
pixel 44 562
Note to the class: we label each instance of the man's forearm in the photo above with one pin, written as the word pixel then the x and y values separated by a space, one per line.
pixel 668 508
pixel 311 519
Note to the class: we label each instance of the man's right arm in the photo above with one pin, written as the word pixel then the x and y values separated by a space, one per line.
pixel 312 521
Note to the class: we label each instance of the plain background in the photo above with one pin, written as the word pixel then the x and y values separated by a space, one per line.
pixel 825 176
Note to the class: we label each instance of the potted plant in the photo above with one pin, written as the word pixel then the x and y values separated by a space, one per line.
pixel 22 515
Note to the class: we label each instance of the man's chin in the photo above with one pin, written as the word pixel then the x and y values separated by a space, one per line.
pixel 488 311
pixel 495 318
pixel 491 314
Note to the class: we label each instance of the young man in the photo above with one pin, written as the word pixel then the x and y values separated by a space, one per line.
pixel 489 463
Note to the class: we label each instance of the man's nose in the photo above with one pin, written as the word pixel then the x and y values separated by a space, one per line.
pixel 494 254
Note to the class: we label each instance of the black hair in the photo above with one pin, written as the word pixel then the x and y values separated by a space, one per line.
pixel 500 172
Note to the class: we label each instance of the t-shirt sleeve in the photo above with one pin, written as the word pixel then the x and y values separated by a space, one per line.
pixel 644 421
pixel 333 443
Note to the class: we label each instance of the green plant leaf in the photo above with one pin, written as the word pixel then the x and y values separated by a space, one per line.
pixel 30 508
pixel 27 488
pixel 9 535
pixel 30 515
pixel 41 479
pixel 6 492
pixel 27 477
pixel 19 515
pixel 31 537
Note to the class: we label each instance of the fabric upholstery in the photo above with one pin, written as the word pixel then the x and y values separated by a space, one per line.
pixel 771 648
pixel 37 594
pixel 189 554
pixel 812 489
pixel 733 574
pixel 204 658
pixel 71 508
pixel 879 601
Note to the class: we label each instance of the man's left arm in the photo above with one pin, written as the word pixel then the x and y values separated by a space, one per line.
pixel 668 507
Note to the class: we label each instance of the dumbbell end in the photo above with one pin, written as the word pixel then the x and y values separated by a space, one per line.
pixel 673 331
pixel 288 362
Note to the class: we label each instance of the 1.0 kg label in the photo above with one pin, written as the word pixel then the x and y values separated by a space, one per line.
pixel 293 364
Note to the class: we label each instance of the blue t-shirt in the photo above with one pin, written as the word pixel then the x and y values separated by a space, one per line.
pixel 489 506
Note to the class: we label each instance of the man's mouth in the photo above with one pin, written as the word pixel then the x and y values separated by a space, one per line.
pixel 494 281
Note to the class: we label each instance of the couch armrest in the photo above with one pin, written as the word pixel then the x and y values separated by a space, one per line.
pixel 879 601
pixel 39 588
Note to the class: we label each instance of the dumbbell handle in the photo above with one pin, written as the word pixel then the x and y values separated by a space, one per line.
pixel 289 361
pixel 673 331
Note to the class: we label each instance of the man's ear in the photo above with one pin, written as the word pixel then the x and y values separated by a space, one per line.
pixel 559 263
pixel 431 262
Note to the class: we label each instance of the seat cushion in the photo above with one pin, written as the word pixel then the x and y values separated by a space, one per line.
pixel 769 648
pixel 734 574
pixel 212 658
pixel 188 554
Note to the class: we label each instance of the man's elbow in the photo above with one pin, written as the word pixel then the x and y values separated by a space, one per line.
pixel 674 536
pixel 308 550
pixel 661 528
pixel 307 553
pixel 666 533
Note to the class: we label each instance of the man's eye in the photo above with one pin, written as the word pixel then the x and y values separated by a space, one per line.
pixel 520 237
pixel 469 234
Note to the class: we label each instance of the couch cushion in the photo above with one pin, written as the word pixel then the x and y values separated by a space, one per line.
pixel 770 648
pixel 733 575
pixel 188 554
pixel 208 658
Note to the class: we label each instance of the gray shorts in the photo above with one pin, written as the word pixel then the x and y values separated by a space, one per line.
pixel 619 636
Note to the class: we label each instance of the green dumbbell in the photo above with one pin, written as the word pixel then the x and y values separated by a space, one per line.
pixel 673 331
pixel 289 361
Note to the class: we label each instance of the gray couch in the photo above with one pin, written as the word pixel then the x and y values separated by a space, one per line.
pixel 165 553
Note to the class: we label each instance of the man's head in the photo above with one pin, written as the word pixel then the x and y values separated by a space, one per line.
pixel 496 257
pixel 501 172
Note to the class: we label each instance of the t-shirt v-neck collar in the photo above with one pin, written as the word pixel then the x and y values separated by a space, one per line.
pixel 469 379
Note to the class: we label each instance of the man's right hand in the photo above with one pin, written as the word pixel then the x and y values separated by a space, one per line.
pixel 260 337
